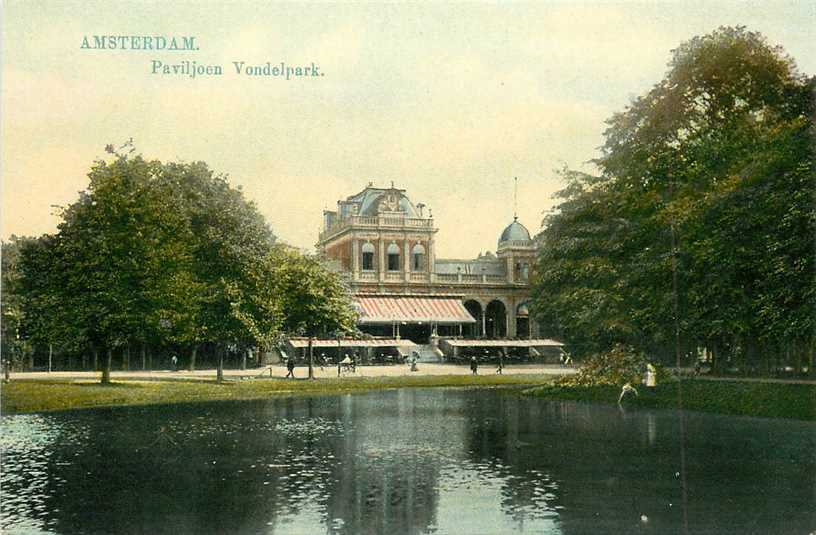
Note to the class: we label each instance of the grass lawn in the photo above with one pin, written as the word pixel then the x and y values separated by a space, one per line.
pixel 41 396
pixel 772 400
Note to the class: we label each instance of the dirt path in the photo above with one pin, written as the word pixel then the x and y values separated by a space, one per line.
pixel 301 371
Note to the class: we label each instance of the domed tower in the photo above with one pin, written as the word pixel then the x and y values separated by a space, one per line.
pixel 517 249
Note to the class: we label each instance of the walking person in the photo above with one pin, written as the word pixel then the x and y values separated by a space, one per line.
pixel 474 366
pixel 501 363
pixel 174 362
pixel 290 366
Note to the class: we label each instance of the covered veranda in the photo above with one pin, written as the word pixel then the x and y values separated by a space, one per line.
pixel 330 351
pixel 537 349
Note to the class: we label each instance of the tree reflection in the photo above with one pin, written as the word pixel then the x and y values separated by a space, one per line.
pixel 407 461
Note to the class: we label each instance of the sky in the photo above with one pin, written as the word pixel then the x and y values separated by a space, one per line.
pixel 447 101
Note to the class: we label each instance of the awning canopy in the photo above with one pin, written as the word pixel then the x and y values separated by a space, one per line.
pixel 332 342
pixel 537 342
pixel 410 309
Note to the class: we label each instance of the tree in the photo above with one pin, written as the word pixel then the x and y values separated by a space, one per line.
pixel 314 301
pixel 703 209
pixel 155 253
pixel 124 257
pixel 229 238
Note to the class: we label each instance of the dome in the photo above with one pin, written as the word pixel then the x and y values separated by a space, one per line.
pixel 515 231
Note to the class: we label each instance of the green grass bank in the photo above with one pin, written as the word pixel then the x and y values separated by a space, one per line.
pixel 769 400
pixel 26 396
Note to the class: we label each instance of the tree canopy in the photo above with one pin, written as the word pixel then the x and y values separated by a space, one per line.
pixel 708 177
pixel 160 254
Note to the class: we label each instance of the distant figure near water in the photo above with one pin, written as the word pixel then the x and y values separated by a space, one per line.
pixel 651 375
pixel 474 366
pixel 626 390
pixel 290 367
pixel 174 362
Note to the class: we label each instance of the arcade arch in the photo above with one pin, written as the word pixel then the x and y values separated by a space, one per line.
pixel 495 319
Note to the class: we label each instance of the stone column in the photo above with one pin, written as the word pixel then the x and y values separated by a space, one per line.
pixel 407 260
pixel 355 259
pixel 381 264
pixel 511 320
pixel 511 270
pixel 484 322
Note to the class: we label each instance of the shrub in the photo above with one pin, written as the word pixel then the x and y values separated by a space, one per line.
pixel 621 364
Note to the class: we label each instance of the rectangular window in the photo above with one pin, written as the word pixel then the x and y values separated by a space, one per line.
pixel 393 262
pixel 368 261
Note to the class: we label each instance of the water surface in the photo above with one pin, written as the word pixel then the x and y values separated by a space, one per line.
pixel 406 461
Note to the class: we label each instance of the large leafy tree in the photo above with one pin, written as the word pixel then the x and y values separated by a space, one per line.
pixel 702 213
pixel 156 253
pixel 122 258
pixel 313 300
pixel 17 307
pixel 229 239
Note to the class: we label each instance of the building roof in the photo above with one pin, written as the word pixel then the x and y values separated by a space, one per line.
pixel 515 231
pixel 369 200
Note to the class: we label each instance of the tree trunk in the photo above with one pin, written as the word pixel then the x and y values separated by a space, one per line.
pixel 243 359
pixel 126 358
pixel 714 362
pixel 106 372
pixel 797 349
pixel 193 354
pixel 144 356
pixel 220 371
pixel 311 359
pixel 50 356
pixel 95 359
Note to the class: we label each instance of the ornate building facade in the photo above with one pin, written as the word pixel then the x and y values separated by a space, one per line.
pixel 384 245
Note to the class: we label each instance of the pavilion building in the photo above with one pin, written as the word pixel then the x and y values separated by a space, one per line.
pixel 384 245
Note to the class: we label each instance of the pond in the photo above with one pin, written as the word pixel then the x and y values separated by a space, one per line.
pixel 406 461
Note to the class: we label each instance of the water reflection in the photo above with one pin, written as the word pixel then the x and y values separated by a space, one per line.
pixel 407 461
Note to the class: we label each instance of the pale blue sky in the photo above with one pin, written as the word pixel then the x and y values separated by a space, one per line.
pixel 450 101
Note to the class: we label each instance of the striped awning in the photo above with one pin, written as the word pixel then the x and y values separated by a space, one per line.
pixel 411 309
pixel 333 342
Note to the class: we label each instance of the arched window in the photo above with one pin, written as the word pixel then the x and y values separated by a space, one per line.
pixel 368 256
pixel 393 257
pixel 418 257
